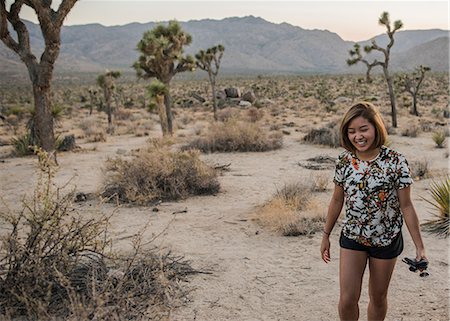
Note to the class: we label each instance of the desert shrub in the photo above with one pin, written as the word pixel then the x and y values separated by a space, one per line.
pixel 43 244
pixel 320 181
pixel 411 131
pixel 123 114
pixel 236 136
pixel 227 113
pixel 439 138
pixel 440 200
pixel 328 136
pixel 292 211
pixel 158 174
pixel 419 168
pixel 92 131
pixel 54 264
pixel 254 114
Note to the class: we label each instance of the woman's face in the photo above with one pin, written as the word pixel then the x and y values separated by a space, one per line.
pixel 361 134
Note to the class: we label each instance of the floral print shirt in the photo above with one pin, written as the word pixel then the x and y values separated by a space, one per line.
pixel 372 210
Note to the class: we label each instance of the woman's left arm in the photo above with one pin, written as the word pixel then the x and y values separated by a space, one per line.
pixel 411 220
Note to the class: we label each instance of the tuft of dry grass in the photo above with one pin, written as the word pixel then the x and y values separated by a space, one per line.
pixel 158 174
pixel 236 136
pixel 292 211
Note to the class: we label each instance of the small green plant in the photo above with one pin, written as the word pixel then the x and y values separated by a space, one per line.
pixel 439 138
pixel 440 193
pixel 22 145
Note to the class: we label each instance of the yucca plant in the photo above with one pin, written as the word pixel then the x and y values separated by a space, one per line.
pixel 440 200
pixel 439 139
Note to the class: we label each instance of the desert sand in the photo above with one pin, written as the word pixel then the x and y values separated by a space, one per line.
pixel 255 274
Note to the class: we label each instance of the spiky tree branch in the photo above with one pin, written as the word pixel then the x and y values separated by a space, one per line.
pixel 162 58
pixel 40 71
pixel 355 57
pixel 390 31
pixel 411 84
pixel 107 82
pixel 209 61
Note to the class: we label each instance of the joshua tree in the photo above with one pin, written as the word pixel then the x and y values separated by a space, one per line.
pixel 205 60
pixel 107 82
pixel 39 71
pixel 411 84
pixel 356 57
pixel 161 57
pixel 157 90
pixel 384 20
pixel 93 99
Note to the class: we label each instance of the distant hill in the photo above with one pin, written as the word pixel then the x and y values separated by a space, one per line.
pixel 252 45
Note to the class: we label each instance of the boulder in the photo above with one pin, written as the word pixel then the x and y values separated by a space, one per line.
pixel 244 103
pixel 68 143
pixel 249 96
pixel 221 95
pixel 233 92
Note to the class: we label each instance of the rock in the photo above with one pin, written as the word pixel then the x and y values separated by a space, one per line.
pixel 121 151
pixel 249 96
pixel 244 103
pixel 221 95
pixel 342 100
pixel 68 143
pixel 233 92
pixel 198 97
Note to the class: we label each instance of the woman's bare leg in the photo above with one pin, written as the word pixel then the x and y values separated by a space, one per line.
pixel 380 276
pixel 351 270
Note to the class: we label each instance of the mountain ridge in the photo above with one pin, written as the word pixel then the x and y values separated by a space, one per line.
pixel 252 45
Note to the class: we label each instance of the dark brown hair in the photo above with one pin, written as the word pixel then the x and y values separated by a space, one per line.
pixel 369 112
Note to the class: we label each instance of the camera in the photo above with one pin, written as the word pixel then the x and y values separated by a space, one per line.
pixel 415 266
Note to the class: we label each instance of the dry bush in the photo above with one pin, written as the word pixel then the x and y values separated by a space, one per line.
pixel 123 114
pixel 328 136
pixel 419 169
pixel 92 131
pixel 158 174
pixel 227 113
pixel 54 265
pixel 236 136
pixel 292 211
pixel 411 131
pixel 254 114
pixel 320 181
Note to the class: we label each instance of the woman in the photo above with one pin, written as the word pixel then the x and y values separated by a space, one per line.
pixel 374 181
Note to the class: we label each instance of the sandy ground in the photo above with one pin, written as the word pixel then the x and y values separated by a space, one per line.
pixel 256 274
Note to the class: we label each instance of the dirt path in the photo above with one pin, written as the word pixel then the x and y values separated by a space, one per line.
pixel 256 275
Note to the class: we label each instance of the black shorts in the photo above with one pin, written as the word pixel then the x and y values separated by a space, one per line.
pixel 384 252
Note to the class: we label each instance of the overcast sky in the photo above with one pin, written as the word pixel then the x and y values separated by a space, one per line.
pixel 352 20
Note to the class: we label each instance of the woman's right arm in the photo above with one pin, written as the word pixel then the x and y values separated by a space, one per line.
pixel 334 209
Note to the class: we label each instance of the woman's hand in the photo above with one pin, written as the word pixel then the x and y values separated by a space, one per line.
pixel 420 254
pixel 325 248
